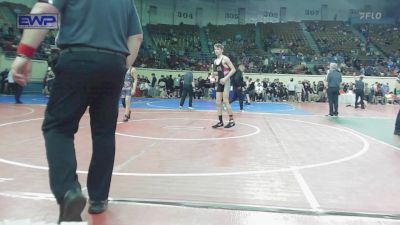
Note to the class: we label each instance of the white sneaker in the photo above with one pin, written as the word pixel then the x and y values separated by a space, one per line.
pixel 180 107
pixel 191 108
pixel 241 110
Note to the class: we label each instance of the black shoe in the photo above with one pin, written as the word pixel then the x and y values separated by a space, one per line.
pixel 72 206
pixel 97 207
pixel 127 117
pixel 329 115
pixel 230 124
pixel 219 124
pixel 19 102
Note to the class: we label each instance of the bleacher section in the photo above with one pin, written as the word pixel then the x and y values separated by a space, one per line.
pixel 180 38
pixel 236 38
pixel 386 37
pixel 336 38
pixel 267 47
pixel 285 36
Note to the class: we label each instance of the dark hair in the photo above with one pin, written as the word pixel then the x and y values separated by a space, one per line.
pixel 219 45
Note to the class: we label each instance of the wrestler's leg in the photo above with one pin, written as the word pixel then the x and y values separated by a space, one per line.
pixel 218 102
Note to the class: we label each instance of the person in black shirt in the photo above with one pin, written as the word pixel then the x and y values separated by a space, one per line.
pixel 237 84
pixel 97 48
pixel 321 91
pixel 153 80
pixel 3 77
pixel 359 86
pixel 188 85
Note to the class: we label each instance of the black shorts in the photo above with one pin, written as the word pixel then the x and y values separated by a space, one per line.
pixel 224 87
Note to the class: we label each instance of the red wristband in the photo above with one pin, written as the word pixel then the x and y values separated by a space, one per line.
pixel 26 50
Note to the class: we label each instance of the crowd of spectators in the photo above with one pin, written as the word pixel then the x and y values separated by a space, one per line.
pixel 265 90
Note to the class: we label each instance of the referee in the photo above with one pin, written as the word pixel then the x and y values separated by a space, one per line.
pixel 334 78
pixel 237 84
pixel 99 41
pixel 359 86
pixel 188 85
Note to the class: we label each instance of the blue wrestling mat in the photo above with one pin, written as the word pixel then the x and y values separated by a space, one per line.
pixel 173 104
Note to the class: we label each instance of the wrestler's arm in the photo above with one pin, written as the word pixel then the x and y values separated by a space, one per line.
pixel 214 74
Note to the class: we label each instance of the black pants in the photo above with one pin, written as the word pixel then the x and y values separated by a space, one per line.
pixel 333 98
pixel 237 93
pixel 397 124
pixel 2 85
pixel 17 90
pixel 180 90
pixel 83 79
pixel 359 94
pixel 187 90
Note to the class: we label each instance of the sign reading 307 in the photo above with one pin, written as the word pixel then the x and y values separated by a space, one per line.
pixel 37 21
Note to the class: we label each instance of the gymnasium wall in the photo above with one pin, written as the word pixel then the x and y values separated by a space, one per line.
pixel 227 11
pixel 220 12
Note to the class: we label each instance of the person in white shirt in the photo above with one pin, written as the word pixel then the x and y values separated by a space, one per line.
pixel 291 89
pixel 259 90
pixel 299 87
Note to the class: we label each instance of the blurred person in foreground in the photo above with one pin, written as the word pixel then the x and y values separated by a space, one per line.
pixel 97 48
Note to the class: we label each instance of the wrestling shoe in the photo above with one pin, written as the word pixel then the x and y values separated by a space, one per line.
pixel 230 124
pixel 219 124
